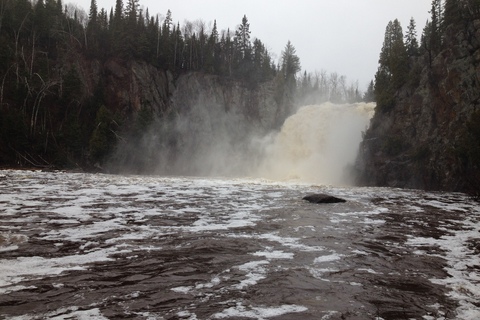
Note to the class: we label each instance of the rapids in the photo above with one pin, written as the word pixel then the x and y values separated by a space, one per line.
pixel 95 246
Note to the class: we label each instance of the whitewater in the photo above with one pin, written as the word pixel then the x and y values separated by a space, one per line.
pixel 100 246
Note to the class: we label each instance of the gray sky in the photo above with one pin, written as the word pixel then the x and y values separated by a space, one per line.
pixel 343 36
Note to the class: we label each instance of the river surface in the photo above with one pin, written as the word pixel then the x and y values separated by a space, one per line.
pixel 94 246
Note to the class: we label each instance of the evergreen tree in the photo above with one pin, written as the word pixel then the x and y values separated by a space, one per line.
pixel 213 55
pixel 393 66
pixel 290 62
pixel 290 68
pixel 436 27
pixel 411 42
pixel 369 95
pixel 92 27
pixel 242 37
pixel 167 23
pixel 116 30
pixel 92 17
pixel 118 12
pixel 132 11
pixel 131 38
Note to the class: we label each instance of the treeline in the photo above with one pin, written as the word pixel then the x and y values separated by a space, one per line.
pixel 53 104
pixel 131 33
pixel 402 57
pixel 52 91
pixel 320 87
pixel 440 69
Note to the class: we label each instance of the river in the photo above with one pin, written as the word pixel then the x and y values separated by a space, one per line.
pixel 96 246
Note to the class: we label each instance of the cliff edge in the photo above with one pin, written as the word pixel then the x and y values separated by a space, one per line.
pixel 429 138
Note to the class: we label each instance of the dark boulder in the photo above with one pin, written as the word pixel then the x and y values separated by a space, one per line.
pixel 323 198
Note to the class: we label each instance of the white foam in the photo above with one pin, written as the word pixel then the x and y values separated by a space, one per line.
pixel 464 278
pixel 119 205
pixel 328 258
pixel 369 270
pixel 8 248
pixel 184 289
pixel 289 242
pixel 255 271
pixel 259 313
pixel 81 315
pixel 184 315
pixel 16 270
pixel 65 314
pixel 275 254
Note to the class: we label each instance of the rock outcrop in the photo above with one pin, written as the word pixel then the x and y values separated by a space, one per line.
pixel 323 198
pixel 131 86
pixel 417 144
pixel 199 123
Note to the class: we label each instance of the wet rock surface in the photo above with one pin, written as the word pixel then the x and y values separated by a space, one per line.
pixel 113 247
pixel 323 198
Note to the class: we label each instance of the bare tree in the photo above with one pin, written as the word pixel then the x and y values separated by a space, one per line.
pixel 40 94
pixel 334 90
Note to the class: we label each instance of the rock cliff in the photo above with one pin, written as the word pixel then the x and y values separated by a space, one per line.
pixel 195 116
pixel 420 142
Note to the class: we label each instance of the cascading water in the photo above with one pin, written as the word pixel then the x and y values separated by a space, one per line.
pixel 96 246
pixel 317 144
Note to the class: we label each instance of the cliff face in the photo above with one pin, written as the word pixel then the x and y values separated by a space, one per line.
pixel 197 123
pixel 131 86
pixel 419 142
pixel 135 85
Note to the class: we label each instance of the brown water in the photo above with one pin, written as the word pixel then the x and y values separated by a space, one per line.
pixel 82 246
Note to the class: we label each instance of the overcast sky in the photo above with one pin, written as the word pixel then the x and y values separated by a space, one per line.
pixel 343 36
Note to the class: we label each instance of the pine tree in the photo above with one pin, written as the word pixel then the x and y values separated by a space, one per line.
pixel 369 95
pixel 290 62
pixel 242 37
pixel 411 42
pixel 393 66
pixel 117 28
pixel 132 11
pixel 92 26
pixel 436 27
pixel 212 53
pixel 92 16
pixel 167 23
pixel 290 68
pixel 131 38
pixel 118 11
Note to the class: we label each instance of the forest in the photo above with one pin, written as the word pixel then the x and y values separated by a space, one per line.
pixel 425 132
pixel 51 116
pixel 403 58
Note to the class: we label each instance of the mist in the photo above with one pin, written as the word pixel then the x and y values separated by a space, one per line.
pixel 316 144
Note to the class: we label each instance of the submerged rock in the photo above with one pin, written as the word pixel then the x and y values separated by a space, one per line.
pixel 323 198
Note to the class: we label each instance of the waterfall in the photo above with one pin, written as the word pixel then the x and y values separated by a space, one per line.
pixel 316 144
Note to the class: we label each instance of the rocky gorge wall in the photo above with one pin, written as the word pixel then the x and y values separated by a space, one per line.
pixel 421 141
pixel 196 123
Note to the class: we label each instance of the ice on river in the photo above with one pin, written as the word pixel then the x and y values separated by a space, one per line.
pixel 78 246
